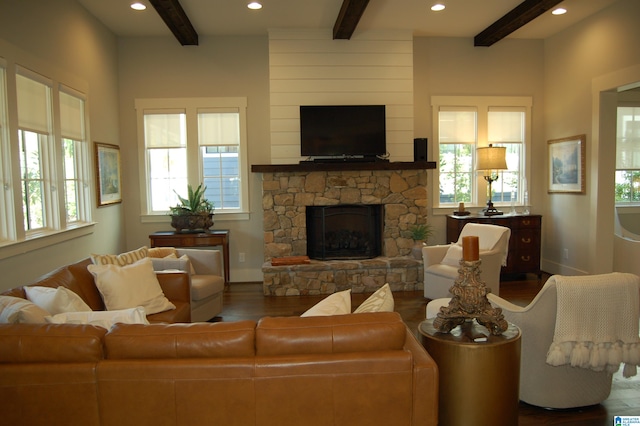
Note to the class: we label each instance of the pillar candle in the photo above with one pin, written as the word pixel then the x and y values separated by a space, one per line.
pixel 470 248
pixel 461 207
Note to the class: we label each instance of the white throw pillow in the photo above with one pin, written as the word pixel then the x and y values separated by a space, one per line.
pixel 453 256
pixel 16 310
pixel 335 304
pixel 124 287
pixel 380 301
pixel 56 300
pixel 184 257
pixel 104 319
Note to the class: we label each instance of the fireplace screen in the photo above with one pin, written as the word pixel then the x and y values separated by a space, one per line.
pixel 344 231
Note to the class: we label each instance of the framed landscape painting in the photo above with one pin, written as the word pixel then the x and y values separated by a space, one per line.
pixel 109 190
pixel 567 165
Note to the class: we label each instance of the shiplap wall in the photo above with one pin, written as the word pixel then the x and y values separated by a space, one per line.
pixel 308 67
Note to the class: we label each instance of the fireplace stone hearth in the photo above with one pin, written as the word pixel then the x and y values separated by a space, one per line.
pixel 285 197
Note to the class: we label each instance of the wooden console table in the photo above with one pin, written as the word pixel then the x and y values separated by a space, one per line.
pixel 524 243
pixel 218 237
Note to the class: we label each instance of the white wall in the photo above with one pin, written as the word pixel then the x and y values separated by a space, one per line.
pixel 583 66
pixel 60 35
pixel 307 67
pixel 453 66
pixel 159 67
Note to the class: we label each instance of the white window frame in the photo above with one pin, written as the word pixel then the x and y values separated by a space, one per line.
pixel 191 106
pixel 625 204
pixel 82 163
pixel 14 239
pixel 7 230
pixel 482 106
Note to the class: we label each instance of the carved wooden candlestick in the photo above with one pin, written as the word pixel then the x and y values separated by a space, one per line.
pixel 469 300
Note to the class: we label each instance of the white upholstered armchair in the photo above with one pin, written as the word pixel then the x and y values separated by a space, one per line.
pixel 441 262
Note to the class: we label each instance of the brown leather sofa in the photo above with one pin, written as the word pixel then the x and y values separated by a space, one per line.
pixel 78 279
pixel 359 369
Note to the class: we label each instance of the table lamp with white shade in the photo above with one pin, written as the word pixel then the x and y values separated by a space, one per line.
pixel 490 160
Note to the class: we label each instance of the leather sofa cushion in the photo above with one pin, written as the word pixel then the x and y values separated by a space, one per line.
pixel 38 343
pixel 364 332
pixel 197 340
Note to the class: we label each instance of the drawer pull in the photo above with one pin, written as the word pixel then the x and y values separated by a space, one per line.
pixel 526 222
pixel 525 258
pixel 526 240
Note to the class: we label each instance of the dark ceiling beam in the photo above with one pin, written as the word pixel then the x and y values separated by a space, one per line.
pixel 519 16
pixel 173 15
pixel 348 18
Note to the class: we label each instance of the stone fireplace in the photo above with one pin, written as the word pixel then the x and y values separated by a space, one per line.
pixel 288 190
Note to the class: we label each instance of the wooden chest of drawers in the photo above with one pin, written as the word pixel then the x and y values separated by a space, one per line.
pixel 524 244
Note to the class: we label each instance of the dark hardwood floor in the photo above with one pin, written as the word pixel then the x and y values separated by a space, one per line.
pixel 246 301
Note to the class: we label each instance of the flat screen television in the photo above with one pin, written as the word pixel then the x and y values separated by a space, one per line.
pixel 343 130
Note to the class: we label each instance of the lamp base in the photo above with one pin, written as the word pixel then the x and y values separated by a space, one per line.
pixel 490 210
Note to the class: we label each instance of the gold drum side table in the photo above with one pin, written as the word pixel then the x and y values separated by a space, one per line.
pixel 479 373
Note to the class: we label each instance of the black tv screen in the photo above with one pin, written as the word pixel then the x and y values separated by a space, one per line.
pixel 335 130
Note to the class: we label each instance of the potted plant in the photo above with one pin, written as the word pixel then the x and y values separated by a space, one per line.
pixel 420 234
pixel 193 212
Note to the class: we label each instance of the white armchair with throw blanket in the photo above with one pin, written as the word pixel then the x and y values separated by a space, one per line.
pixel 575 333
pixel 441 262
pixel 206 275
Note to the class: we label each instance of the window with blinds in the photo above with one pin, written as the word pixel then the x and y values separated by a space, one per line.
pixel 165 136
pixel 193 141
pixel 457 139
pixel 36 148
pixel 506 128
pixel 53 192
pixel 627 180
pixel 75 153
pixel 463 124
pixel 219 139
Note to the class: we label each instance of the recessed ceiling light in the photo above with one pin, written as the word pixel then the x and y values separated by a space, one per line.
pixel 559 11
pixel 254 5
pixel 438 7
pixel 138 6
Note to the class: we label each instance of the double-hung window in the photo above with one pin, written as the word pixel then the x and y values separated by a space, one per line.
pixel 36 147
pixel 627 180
pixel 45 171
pixel 461 125
pixel 53 163
pixel 75 154
pixel 189 141
pixel 506 128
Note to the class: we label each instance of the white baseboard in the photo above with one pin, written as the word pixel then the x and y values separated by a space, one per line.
pixel 555 268
pixel 246 275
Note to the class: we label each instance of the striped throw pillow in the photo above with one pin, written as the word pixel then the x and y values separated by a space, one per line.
pixel 122 259
pixel 380 301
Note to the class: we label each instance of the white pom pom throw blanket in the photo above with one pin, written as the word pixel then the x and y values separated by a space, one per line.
pixel 597 322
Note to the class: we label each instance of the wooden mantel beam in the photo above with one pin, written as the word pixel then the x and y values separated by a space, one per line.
pixel 519 16
pixel 348 18
pixel 173 15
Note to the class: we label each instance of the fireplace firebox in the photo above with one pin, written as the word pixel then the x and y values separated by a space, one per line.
pixel 344 231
